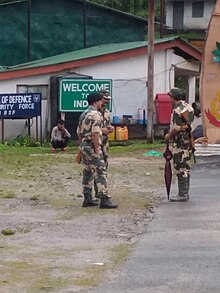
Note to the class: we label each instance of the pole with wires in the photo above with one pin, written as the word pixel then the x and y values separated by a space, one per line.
pixel 84 24
pixel 150 82
pixel 29 32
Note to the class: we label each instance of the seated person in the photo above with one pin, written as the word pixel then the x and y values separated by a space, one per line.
pixel 59 137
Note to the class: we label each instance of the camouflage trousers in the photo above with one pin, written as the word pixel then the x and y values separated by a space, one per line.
pixel 94 169
pixel 182 154
pixel 105 158
pixel 105 147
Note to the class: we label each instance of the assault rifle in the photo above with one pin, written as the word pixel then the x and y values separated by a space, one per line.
pixel 191 139
pixel 191 142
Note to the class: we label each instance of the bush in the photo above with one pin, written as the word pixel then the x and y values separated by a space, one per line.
pixel 23 141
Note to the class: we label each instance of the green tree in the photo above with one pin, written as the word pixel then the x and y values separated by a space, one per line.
pixel 136 7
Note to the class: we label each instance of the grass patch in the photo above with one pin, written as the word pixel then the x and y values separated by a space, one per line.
pixel 76 210
pixel 132 146
pixel 8 232
pixel 48 283
pixel 93 276
pixel 88 281
pixel 8 195
pixel 24 230
pixel 54 183
pixel 35 197
pixel 120 252
pixel 60 203
pixel 30 277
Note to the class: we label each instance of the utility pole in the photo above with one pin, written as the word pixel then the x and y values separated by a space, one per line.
pixel 150 76
pixel 84 24
pixel 29 32
pixel 161 18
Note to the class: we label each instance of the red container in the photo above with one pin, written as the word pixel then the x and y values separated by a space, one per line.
pixel 163 106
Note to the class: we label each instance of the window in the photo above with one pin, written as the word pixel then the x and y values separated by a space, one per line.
pixel 198 9
pixel 43 89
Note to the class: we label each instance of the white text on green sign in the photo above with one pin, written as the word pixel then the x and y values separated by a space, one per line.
pixel 74 92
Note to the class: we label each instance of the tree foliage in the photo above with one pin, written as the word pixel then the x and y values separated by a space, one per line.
pixel 136 7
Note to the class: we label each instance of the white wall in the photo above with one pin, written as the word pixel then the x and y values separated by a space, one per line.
pixel 169 14
pixel 190 22
pixel 180 62
pixel 195 22
pixel 129 77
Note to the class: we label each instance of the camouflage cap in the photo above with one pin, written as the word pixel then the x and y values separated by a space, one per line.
pixel 94 97
pixel 175 93
pixel 106 94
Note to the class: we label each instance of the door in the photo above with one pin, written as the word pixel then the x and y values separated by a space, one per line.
pixel 178 14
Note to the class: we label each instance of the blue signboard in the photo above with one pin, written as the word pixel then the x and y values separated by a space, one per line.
pixel 14 106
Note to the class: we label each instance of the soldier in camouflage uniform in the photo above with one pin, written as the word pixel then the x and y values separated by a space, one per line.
pixel 106 124
pixel 90 135
pixel 183 115
pixel 106 129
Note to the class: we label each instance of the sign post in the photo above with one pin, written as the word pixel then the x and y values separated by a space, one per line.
pixel 13 106
pixel 74 92
pixel 19 106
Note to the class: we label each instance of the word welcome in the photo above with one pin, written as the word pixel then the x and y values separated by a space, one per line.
pixel 86 87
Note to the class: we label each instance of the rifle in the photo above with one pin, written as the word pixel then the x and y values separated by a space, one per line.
pixel 192 143
pixel 191 139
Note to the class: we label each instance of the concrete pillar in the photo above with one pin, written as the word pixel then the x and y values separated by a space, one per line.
pixel 192 89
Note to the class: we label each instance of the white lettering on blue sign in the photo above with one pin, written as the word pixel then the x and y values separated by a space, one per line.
pixel 20 105
pixel 6 107
pixel 26 106
pixel 20 99
pixel 4 99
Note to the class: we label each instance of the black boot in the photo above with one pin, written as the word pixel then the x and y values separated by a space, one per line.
pixel 107 204
pixel 89 201
pixel 188 186
pixel 183 186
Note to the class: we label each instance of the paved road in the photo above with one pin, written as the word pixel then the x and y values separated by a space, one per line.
pixel 180 249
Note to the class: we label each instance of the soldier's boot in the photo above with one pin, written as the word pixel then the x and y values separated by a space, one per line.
pixel 184 191
pixel 188 186
pixel 107 204
pixel 89 201
pixel 183 194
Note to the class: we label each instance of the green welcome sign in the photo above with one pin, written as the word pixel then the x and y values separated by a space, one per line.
pixel 74 92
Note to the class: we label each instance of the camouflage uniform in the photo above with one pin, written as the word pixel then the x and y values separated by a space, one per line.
pixel 106 122
pixel 181 146
pixel 94 165
pixel 105 118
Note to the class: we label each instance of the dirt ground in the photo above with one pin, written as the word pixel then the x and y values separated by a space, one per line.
pixel 58 246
